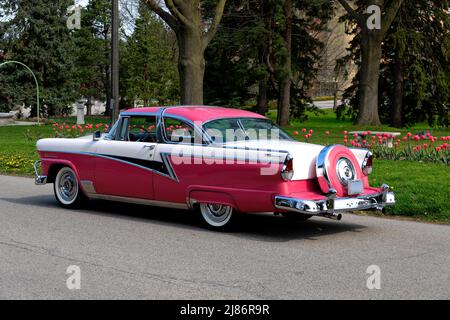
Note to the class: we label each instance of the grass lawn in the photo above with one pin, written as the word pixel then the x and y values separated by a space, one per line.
pixel 423 189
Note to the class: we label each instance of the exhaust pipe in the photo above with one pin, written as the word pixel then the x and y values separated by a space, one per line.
pixel 334 216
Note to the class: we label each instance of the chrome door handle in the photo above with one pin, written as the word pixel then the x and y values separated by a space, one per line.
pixel 151 148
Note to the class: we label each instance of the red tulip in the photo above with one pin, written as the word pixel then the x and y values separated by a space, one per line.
pixel 304 130
pixel 296 133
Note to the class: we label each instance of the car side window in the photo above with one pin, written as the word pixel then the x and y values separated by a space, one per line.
pixel 178 131
pixel 142 129
pixel 123 129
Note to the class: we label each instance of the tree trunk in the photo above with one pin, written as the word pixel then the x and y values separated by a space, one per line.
pixel 89 106
pixel 397 104
pixel 369 81
pixel 191 66
pixel 262 104
pixel 107 91
pixel 284 100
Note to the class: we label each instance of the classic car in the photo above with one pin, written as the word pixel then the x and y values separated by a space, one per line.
pixel 217 161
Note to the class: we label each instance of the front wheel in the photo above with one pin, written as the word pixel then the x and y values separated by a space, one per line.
pixel 67 189
pixel 216 216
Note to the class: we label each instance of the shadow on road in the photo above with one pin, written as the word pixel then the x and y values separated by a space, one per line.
pixel 260 227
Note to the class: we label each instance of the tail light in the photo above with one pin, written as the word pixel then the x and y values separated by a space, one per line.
pixel 367 164
pixel 287 172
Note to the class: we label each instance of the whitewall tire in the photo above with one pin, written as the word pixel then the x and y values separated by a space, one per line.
pixel 216 216
pixel 67 189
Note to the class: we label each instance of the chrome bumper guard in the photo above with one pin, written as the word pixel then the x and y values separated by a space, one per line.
pixel 332 207
pixel 40 180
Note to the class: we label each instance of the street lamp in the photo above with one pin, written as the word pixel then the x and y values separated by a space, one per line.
pixel 35 80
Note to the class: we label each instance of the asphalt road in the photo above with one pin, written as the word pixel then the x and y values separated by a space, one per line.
pixel 136 252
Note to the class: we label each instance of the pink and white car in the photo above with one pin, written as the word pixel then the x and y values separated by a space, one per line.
pixel 218 161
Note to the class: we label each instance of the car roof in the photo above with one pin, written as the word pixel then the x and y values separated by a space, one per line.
pixel 199 113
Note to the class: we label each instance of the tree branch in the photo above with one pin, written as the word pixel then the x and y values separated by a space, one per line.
pixel 359 18
pixel 177 14
pixel 390 15
pixel 215 24
pixel 166 16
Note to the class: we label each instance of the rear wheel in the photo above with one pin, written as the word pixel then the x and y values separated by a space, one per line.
pixel 216 216
pixel 67 189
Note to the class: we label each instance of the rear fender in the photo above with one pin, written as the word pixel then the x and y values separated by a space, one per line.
pixel 211 197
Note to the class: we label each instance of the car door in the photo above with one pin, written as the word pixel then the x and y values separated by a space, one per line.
pixel 125 164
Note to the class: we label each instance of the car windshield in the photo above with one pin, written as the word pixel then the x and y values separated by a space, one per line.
pixel 243 129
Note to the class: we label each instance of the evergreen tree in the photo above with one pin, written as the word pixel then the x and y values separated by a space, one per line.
pixel 151 69
pixel 269 47
pixel 415 67
pixel 415 81
pixel 93 52
pixel 34 32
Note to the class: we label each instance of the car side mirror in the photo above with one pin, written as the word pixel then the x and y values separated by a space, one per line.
pixel 96 136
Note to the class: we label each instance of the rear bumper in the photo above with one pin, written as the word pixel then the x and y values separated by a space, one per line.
pixel 333 207
pixel 40 179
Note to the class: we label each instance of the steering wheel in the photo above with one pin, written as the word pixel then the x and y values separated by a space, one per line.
pixel 144 136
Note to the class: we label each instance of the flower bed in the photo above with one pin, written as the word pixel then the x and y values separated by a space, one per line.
pixel 423 147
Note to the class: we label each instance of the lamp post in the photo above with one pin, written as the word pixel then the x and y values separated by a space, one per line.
pixel 115 61
pixel 35 80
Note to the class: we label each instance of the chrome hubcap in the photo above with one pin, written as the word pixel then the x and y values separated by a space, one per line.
pixel 345 170
pixel 68 186
pixel 215 214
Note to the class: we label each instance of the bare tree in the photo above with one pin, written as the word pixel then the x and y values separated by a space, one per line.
pixel 371 40
pixel 194 32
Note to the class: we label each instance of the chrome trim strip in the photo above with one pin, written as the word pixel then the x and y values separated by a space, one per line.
pixel 88 186
pixel 146 202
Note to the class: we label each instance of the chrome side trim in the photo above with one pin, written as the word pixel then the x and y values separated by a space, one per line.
pixel 118 160
pixel 146 202
pixel 40 179
pixel 172 175
pixel 88 186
